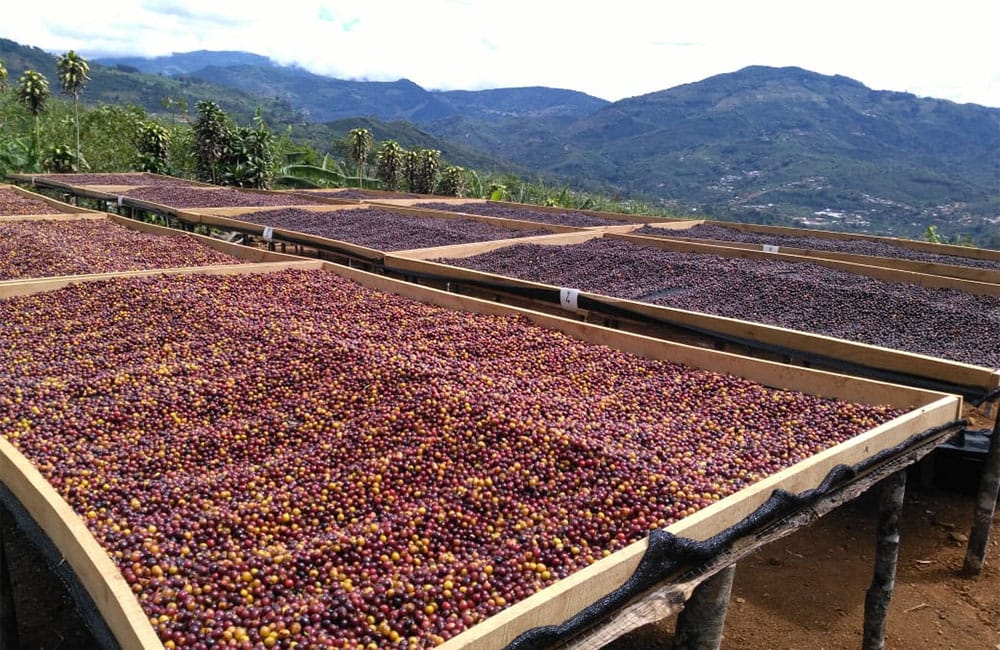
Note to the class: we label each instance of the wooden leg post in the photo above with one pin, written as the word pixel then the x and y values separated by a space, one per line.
pixel 986 502
pixel 700 624
pixel 879 593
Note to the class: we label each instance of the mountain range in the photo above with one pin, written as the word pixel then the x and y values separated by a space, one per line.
pixel 757 144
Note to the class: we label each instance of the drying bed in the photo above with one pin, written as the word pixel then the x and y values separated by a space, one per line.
pixel 854 246
pixel 214 197
pixel 945 323
pixel 127 179
pixel 359 194
pixel 508 211
pixel 385 230
pixel 44 248
pixel 13 202
pixel 293 456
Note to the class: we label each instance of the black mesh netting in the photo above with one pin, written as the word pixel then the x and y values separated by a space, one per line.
pixel 56 564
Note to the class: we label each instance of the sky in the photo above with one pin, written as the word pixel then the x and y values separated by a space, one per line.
pixel 612 50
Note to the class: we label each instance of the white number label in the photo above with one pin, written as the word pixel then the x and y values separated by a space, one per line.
pixel 568 298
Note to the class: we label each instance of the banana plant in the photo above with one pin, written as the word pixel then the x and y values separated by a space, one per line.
pixel 73 73
pixel 33 92
pixel 361 145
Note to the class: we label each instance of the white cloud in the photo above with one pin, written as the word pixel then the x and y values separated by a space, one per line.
pixel 611 50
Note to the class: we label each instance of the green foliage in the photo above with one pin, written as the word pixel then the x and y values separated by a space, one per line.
pixel 309 176
pixel 931 235
pixel 389 165
pixel 497 192
pixel 212 135
pixel 3 76
pixel 109 134
pixel 153 148
pixel 60 159
pixel 227 154
pixel 250 159
pixel 452 181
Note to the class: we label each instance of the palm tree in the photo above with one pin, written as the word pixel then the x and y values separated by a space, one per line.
pixel 389 165
pixel 361 145
pixel 33 92
pixel 73 70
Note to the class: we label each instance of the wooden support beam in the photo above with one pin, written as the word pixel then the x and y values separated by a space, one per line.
pixel 986 502
pixel 700 623
pixel 879 593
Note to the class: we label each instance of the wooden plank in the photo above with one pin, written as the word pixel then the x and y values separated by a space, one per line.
pixel 879 273
pixel 90 561
pixel 569 596
pixel 621 217
pixel 11 288
pixel 477 248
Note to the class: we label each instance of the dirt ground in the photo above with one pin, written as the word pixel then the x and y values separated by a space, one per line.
pixel 806 591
